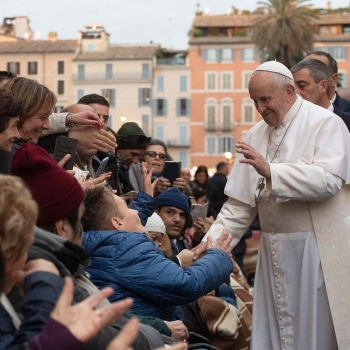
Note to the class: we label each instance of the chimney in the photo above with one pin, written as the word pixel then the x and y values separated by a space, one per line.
pixel 329 7
pixel 52 36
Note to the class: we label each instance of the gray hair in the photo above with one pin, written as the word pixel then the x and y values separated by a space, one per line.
pixel 332 63
pixel 280 81
pixel 318 70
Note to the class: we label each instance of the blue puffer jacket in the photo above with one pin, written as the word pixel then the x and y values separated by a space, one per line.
pixel 130 263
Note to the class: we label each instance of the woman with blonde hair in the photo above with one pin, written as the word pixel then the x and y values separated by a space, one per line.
pixel 37 102
pixel 39 279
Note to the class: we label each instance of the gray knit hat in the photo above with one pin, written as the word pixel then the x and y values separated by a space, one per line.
pixel 155 224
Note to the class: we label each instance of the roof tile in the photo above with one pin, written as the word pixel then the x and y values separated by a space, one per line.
pixel 38 46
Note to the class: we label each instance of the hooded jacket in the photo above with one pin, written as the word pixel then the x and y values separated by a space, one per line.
pixel 134 266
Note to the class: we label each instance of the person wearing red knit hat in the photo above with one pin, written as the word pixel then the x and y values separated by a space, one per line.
pixel 57 193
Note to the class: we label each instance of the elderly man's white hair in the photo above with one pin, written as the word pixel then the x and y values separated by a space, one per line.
pixel 281 81
pixel 281 76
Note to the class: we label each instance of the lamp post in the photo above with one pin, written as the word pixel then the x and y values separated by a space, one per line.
pixel 230 159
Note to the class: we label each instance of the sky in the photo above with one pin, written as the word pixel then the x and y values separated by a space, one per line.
pixel 129 21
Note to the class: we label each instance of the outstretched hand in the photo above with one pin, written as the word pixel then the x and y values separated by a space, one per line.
pixel 83 319
pixel 148 186
pixel 254 158
pixel 87 118
pixel 223 242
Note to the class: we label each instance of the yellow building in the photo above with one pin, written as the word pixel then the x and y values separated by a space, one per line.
pixel 123 74
pixel 50 62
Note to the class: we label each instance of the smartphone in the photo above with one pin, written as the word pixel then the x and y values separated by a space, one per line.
pixel 65 145
pixel 172 170
pixel 102 167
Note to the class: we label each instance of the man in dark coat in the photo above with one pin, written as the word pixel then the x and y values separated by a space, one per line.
pixel 219 179
pixel 331 63
pixel 312 82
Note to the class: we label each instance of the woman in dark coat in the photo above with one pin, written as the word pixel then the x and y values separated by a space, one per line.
pixel 201 178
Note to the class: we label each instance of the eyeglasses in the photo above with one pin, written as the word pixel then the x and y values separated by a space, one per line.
pixel 153 154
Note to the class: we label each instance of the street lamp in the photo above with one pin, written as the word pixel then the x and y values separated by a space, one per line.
pixel 228 156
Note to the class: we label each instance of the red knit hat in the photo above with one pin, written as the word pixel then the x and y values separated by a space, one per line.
pixel 57 193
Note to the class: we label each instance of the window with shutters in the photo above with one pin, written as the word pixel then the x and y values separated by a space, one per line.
pixel 60 87
pixel 183 83
pixel 226 80
pixel 337 52
pixel 226 118
pixel 109 95
pixel 60 67
pixel 160 83
pixel 145 123
pixel 248 55
pixel 160 107
pixel 145 71
pixel 211 141
pixel 210 55
pixel 32 68
pixel 109 71
pixel 248 112
pixel 183 157
pixel 246 78
pixel 211 78
pixel 211 118
pixel 182 107
pixel 160 132
pixel 227 55
pixel 183 135
pixel 81 71
pixel 144 97
pixel 226 144
pixel 13 67
pixel 80 94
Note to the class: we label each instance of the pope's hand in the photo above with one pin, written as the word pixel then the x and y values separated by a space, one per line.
pixel 254 158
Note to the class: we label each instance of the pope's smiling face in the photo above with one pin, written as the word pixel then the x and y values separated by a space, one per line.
pixel 270 100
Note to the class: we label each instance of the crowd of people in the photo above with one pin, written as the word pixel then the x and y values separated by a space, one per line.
pixel 128 259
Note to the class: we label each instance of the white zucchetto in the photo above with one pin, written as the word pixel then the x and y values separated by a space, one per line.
pixel 275 67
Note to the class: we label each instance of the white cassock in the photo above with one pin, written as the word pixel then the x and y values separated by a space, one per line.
pixel 302 288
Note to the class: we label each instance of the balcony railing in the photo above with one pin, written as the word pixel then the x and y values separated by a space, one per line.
pixel 177 143
pixel 119 76
pixel 211 126
pixel 178 61
pixel 226 127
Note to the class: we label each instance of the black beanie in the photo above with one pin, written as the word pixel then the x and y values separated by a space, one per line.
pixel 131 136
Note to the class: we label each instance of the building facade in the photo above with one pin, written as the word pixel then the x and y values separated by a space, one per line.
pixel 123 74
pixel 222 58
pixel 50 62
pixel 171 104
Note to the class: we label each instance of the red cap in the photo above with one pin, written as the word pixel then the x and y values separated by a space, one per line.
pixel 57 193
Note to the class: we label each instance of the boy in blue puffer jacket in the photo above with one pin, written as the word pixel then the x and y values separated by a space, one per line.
pixel 124 258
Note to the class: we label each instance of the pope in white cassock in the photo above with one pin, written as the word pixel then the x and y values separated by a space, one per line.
pixel 293 169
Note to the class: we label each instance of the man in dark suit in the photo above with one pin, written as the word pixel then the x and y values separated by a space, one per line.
pixel 312 81
pixel 219 180
pixel 331 63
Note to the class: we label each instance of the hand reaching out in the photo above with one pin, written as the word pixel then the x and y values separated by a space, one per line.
pixel 148 186
pixel 223 242
pixel 83 319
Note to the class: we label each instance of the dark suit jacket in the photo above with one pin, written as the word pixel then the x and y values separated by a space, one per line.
pixel 342 115
pixel 342 104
